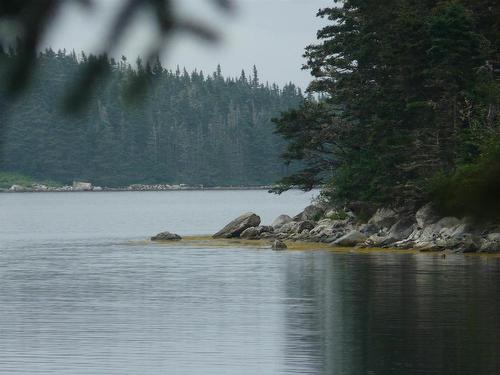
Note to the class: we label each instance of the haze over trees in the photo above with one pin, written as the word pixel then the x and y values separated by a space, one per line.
pixel 411 109
pixel 187 127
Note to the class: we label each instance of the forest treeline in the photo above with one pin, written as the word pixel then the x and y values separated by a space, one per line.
pixel 411 111
pixel 183 127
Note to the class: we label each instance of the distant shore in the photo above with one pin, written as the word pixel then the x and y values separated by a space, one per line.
pixel 136 187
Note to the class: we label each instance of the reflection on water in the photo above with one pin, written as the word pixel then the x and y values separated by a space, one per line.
pixel 393 314
pixel 95 302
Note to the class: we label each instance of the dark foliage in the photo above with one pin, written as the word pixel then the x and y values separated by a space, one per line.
pixel 412 91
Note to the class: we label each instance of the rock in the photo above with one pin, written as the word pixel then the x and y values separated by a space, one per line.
pixel 286 228
pixel 280 221
pixel 491 243
pixel 368 229
pixel 254 233
pixel 384 218
pixel 426 216
pixel 251 233
pixel 310 213
pixel 265 229
pixel 401 229
pixel 279 245
pixel 303 225
pixel 352 238
pixel 238 225
pixel 470 244
pixel 166 236
pixel 17 188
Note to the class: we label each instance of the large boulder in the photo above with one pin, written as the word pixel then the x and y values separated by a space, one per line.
pixel 352 238
pixel 280 221
pixel 310 213
pixel 384 218
pixel 238 225
pixel 166 236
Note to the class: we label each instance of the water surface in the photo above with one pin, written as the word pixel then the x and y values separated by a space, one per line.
pixel 81 293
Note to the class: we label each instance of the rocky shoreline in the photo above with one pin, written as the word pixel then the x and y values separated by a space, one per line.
pixel 422 230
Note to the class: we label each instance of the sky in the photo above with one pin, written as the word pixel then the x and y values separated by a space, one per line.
pixel 271 34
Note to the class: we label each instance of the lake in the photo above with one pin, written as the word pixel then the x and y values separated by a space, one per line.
pixel 83 292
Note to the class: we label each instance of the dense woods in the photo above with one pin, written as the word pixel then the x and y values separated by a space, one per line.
pixel 411 110
pixel 182 127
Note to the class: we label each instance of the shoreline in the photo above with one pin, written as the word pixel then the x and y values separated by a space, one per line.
pixel 423 230
pixel 265 244
pixel 128 189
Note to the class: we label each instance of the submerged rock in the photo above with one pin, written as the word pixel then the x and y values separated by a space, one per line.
pixel 166 236
pixel 279 245
pixel 238 225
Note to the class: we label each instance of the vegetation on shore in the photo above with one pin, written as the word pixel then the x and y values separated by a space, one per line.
pixel 185 128
pixel 412 92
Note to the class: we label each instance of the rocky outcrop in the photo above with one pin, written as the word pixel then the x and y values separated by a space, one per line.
pixel 166 236
pixel 422 229
pixel 238 225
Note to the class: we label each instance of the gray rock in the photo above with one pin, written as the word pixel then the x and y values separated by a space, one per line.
pixel 166 236
pixel 470 244
pixel 491 244
pixel 279 245
pixel 280 221
pixel 251 233
pixel 384 218
pixel 265 229
pixel 303 225
pixel 426 216
pixel 286 228
pixel 310 213
pixel 401 229
pixel 352 238
pixel 238 225
pixel 254 233
pixel 368 229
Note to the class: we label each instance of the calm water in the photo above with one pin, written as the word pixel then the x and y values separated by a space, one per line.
pixel 80 293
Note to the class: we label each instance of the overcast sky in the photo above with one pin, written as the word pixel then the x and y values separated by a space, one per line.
pixel 271 34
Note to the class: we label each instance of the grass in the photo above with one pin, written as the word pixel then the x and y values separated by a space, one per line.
pixel 7 179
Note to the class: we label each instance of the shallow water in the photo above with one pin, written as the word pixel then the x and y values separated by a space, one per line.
pixel 81 293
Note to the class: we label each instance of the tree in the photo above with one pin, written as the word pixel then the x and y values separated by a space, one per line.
pixel 400 82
